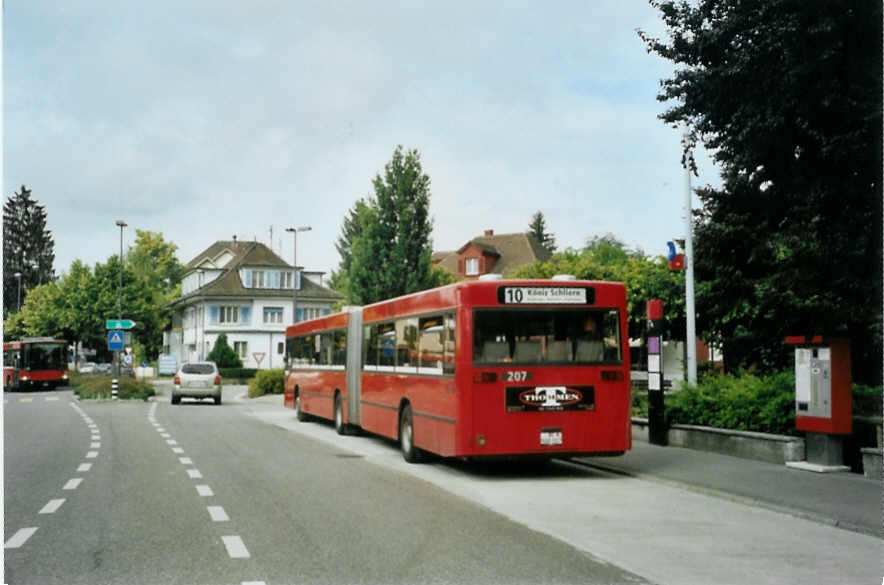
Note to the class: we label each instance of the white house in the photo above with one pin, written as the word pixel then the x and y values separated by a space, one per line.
pixel 244 290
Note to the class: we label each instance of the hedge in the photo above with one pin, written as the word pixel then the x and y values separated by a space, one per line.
pixel 99 387
pixel 267 382
pixel 237 373
pixel 745 402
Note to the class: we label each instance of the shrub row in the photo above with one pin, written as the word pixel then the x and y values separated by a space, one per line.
pixel 98 387
pixel 231 374
pixel 267 382
pixel 746 402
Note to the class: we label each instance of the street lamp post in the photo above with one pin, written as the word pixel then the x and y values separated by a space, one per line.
pixel 17 276
pixel 121 225
pixel 198 315
pixel 294 232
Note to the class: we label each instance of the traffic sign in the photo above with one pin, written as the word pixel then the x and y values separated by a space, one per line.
pixel 119 324
pixel 115 340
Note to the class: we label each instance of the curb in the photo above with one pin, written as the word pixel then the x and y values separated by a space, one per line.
pixel 748 501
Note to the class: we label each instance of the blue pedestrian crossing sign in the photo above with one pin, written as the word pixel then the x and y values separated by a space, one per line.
pixel 115 340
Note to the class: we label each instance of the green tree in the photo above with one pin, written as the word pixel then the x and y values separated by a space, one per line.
pixel 223 355
pixel 28 247
pixel 157 273
pixel 40 314
pixel 537 228
pixel 606 258
pixel 351 230
pixel 391 257
pixel 787 97
pixel 76 302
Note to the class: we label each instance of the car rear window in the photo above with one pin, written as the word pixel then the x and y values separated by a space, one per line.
pixel 198 369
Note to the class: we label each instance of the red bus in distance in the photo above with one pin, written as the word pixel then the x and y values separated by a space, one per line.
pixel 487 368
pixel 35 361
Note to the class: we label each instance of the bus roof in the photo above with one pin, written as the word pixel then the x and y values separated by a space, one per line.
pixel 474 292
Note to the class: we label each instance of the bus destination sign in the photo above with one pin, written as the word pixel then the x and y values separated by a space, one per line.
pixel 545 295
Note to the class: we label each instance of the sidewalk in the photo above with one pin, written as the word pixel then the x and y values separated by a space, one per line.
pixel 846 500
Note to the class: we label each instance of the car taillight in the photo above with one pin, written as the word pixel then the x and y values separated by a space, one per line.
pixel 217 380
pixel 177 381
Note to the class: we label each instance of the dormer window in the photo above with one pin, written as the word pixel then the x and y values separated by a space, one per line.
pixel 472 266
pixel 257 279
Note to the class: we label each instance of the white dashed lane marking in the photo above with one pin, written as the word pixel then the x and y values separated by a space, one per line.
pixel 73 483
pixel 84 467
pixel 95 446
pixel 186 460
pixel 194 474
pixel 91 454
pixel 20 537
pixel 235 547
pixel 218 514
pixel 204 491
pixel 178 450
pixel 52 506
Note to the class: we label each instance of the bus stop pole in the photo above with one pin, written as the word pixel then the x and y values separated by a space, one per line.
pixel 656 409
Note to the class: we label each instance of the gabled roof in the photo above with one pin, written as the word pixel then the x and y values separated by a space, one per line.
pixel 244 253
pixel 249 254
pixel 513 251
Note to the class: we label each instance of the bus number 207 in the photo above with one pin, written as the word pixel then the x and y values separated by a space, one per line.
pixel 517 376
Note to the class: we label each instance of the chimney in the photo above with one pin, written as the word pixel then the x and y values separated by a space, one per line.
pixel 489 233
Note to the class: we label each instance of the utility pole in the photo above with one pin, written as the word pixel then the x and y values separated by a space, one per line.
pixel 691 337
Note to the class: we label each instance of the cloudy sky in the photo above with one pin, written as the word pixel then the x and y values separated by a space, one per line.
pixel 202 120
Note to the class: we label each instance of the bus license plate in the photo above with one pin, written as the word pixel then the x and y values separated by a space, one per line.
pixel 550 437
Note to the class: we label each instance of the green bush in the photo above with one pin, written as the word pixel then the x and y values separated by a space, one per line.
pixel 267 382
pixel 230 375
pixel 640 402
pixel 744 402
pixel 867 400
pixel 98 387
pixel 223 355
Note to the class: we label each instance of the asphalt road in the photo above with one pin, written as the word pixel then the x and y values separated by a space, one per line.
pixel 133 492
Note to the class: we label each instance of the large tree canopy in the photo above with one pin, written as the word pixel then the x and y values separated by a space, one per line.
pixel 537 228
pixel 787 96
pixel 28 248
pixel 388 238
pixel 607 258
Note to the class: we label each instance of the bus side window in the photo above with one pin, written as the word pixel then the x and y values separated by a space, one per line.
pixel 450 344
pixel 340 348
pixel 432 349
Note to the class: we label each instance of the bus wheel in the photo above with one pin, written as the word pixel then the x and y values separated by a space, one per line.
pixel 299 413
pixel 406 437
pixel 340 427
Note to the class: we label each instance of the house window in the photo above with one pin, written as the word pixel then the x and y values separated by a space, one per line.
pixel 273 314
pixel 257 279
pixel 279 348
pixel 241 348
pixel 286 280
pixel 228 314
pixel 472 266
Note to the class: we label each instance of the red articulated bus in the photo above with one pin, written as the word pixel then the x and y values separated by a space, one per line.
pixel 487 368
pixel 35 361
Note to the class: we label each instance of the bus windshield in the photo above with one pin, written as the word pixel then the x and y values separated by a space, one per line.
pixel 547 336
pixel 45 356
